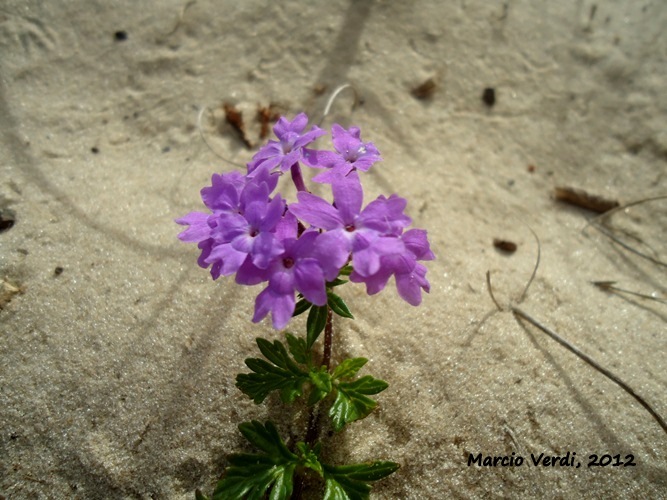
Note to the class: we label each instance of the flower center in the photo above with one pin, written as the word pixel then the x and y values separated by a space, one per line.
pixel 253 232
pixel 349 228
pixel 288 262
pixel 352 156
pixel 288 141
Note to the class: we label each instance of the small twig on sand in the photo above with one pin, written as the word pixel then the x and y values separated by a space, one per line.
pixel 537 265
pixel 595 222
pixel 490 290
pixel 521 315
pixel 609 286
pixel 583 199
pixel 572 348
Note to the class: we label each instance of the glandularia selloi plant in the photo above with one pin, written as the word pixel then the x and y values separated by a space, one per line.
pixel 300 253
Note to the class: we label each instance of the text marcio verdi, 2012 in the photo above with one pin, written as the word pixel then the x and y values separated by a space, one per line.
pixel 543 460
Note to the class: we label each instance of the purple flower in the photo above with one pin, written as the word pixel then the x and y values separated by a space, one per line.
pixel 241 225
pixel 294 270
pixel 224 192
pixel 410 275
pixel 288 150
pixel 366 234
pixel 251 231
pixel 221 197
pixel 352 154
pixel 255 235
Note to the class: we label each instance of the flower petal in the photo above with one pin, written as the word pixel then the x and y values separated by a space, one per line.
pixel 409 285
pixel 321 159
pixel 386 214
pixel 264 248
pixel 280 306
pixel 228 259
pixel 348 196
pixel 199 229
pixel 374 283
pixel 417 242
pixel 366 262
pixel 249 274
pixel 282 310
pixel 309 136
pixel 223 194
pixel 316 211
pixel 273 213
pixel 309 280
pixel 263 304
pixel 332 250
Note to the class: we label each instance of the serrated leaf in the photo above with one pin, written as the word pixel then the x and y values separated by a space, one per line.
pixel 301 307
pixel 266 438
pixel 283 375
pixel 350 482
pixel 322 383
pixel 274 352
pixel 346 271
pixel 366 385
pixel 338 306
pixel 336 491
pixel 317 320
pixel 348 368
pixel 352 401
pixel 309 457
pixel 336 282
pixel 321 379
pixel 252 475
pixel 372 471
pixel 316 395
pixel 297 347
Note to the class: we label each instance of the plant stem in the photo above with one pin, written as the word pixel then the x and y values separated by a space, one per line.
pixel 297 178
pixel 328 339
pixel 313 430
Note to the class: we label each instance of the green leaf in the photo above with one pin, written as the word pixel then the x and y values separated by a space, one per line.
pixel 266 438
pixel 270 473
pixel 297 347
pixel 348 368
pixel 283 375
pixel 317 320
pixel 274 352
pixel 322 383
pixel 373 471
pixel 309 457
pixel 338 306
pixel 366 385
pixel 346 271
pixel 336 282
pixel 252 475
pixel 350 482
pixel 352 401
pixel 301 307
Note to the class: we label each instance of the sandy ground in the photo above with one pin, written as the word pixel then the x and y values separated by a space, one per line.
pixel 119 356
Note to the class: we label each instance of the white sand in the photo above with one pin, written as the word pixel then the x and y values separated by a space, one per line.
pixel 117 376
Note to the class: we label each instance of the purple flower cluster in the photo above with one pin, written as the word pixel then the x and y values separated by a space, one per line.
pixel 299 247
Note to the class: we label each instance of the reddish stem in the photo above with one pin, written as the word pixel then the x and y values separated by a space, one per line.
pixel 328 339
pixel 313 430
pixel 297 177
